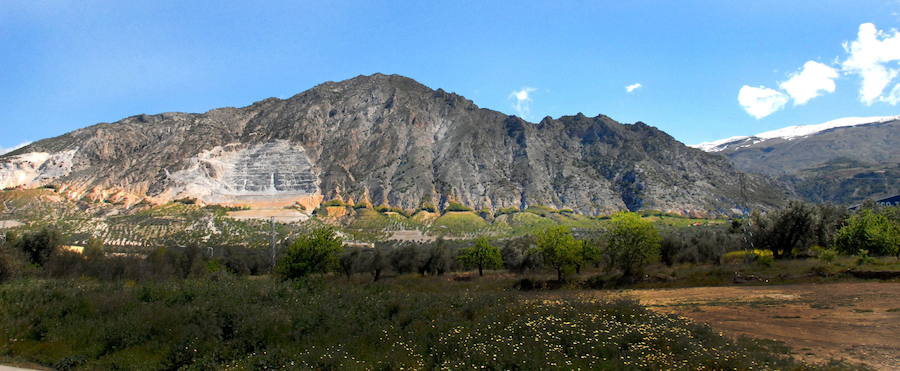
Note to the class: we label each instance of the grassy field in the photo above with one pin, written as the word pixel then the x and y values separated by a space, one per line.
pixel 407 322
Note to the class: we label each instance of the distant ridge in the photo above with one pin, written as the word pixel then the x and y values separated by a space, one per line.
pixel 790 132
pixel 841 161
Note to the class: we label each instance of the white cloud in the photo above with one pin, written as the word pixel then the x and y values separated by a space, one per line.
pixel 870 57
pixel 894 97
pixel 633 87
pixel 761 101
pixel 813 80
pixel 522 100
pixel 5 150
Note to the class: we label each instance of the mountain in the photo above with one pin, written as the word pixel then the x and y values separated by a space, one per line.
pixel 387 140
pixel 841 161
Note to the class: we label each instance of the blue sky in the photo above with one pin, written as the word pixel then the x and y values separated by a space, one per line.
pixel 69 64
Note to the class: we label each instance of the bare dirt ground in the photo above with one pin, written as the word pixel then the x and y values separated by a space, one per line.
pixel 855 322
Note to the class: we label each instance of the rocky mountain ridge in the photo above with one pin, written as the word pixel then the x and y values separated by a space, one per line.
pixel 385 140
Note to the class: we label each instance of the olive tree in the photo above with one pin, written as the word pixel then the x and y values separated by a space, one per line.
pixel 313 252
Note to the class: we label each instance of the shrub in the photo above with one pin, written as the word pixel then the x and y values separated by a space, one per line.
pixel 826 255
pixel 313 252
pixel 867 230
pixel 482 255
pixel 863 258
pixel 631 243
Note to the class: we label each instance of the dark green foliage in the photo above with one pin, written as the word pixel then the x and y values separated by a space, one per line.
pixel 375 261
pixel 591 252
pixel 407 258
pixel 482 255
pixel 871 231
pixel 519 254
pixel 786 230
pixel 184 201
pixel 701 244
pixel 631 243
pixel 349 261
pixel 440 258
pixel 37 246
pixel 313 252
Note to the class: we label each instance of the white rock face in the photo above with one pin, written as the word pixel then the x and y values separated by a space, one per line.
pixel 35 168
pixel 225 174
pixel 789 133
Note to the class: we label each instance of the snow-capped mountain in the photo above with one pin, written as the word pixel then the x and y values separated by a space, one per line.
pixel 789 133
pixel 842 161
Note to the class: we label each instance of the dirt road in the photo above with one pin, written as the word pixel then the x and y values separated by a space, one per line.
pixel 857 322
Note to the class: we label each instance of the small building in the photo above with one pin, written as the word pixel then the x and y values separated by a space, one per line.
pixel 890 201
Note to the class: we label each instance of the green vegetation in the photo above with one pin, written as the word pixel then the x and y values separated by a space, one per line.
pixel 37 246
pixel 456 206
pixel 313 252
pixel 482 255
pixel 560 250
pixel 198 299
pixel 870 231
pixel 408 323
pixel 632 243
pixel 459 223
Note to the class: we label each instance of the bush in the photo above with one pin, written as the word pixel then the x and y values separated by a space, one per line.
pixel 863 258
pixel 867 230
pixel 313 252
pixel 826 255
pixel 632 242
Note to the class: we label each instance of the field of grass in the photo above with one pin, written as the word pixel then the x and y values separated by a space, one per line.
pixel 408 322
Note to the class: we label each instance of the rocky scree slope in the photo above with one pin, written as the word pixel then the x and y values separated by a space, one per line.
pixel 387 140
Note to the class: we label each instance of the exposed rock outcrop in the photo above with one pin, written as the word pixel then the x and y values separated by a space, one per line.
pixel 389 140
